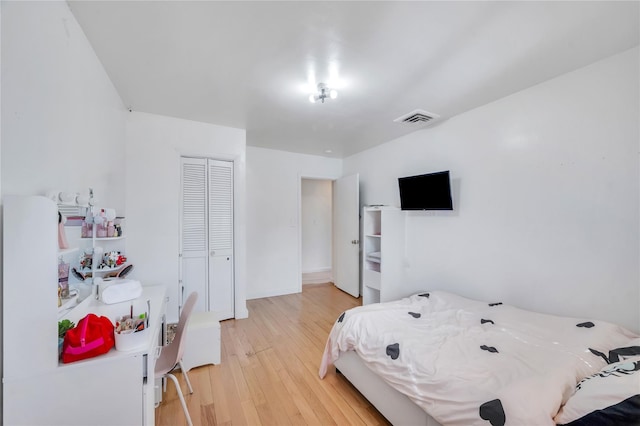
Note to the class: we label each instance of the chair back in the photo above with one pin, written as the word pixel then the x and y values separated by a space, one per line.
pixel 172 354
pixel 185 315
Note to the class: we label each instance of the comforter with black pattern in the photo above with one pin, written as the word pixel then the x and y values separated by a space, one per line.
pixel 467 362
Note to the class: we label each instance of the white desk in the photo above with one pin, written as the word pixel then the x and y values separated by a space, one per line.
pixel 112 389
pixel 116 388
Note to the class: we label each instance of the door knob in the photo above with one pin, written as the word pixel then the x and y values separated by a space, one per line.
pixel 212 252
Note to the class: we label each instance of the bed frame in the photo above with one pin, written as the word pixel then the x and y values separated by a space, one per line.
pixel 393 405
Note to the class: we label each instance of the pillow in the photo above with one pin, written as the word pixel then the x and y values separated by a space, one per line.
pixel 609 397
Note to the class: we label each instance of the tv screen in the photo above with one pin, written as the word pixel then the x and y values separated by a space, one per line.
pixel 430 191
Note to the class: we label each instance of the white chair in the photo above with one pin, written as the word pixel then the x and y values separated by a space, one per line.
pixel 171 355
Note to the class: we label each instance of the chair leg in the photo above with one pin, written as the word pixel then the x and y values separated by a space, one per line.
pixel 184 404
pixel 186 376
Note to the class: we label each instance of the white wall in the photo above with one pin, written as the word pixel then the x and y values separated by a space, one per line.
pixel 546 185
pixel 273 209
pixel 154 146
pixel 63 121
pixel 315 224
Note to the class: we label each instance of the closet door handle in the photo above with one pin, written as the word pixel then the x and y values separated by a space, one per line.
pixel 212 253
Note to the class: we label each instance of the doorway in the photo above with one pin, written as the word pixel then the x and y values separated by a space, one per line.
pixel 328 232
pixel 316 230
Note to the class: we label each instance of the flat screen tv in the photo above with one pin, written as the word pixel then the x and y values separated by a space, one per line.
pixel 430 191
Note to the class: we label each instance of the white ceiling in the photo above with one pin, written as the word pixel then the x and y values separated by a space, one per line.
pixel 245 64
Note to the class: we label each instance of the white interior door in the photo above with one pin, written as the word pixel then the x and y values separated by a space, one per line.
pixel 346 234
pixel 193 230
pixel 221 283
pixel 206 234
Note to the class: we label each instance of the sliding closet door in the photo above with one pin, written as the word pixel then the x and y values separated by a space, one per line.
pixel 194 244
pixel 206 234
pixel 221 288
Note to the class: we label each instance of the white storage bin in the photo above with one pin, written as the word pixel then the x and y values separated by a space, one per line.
pixel 130 341
pixel 202 344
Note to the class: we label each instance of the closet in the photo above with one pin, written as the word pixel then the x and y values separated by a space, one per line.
pixel 206 234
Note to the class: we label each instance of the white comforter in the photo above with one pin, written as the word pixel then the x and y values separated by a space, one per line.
pixel 467 362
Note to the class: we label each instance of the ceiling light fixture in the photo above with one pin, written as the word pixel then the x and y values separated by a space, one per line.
pixel 324 92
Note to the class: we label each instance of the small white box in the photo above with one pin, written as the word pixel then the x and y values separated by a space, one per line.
pixel 202 345
pixel 130 341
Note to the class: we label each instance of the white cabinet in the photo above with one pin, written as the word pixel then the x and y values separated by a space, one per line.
pixel 382 254
pixel 206 234
pixel 30 293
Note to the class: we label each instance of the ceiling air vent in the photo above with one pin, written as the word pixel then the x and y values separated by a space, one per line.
pixel 417 117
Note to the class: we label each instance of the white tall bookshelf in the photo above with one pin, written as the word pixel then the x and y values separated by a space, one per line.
pixel 382 254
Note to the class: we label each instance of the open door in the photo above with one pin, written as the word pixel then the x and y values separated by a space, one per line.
pixel 346 234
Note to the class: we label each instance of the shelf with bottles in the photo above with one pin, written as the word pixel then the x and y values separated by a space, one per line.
pixel 111 230
pixel 100 269
pixel 109 238
pixel 110 261
pixel 66 298
pixel 108 269
pixel 67 304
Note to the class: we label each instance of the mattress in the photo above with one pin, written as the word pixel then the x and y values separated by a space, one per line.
pixel 468 362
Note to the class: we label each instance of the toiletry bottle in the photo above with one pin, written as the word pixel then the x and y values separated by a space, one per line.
pixel 101 231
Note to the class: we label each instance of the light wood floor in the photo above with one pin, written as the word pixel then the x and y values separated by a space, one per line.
pixel 269 369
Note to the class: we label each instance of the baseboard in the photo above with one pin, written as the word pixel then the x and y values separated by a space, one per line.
pixel 242 314
pixel 316 270
pixel 272 293
pixel 317 277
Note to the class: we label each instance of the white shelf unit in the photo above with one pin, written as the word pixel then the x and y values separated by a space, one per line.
pixel 382 253
pixel 109 269
pixel 88 245
pixel 104 238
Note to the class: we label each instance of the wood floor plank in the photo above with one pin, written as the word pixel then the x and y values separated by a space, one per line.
pixel 306 410
pixel 250 413
pixel 238 379
pixel 295 373
pixel 270 388
pixel 268 373
pixel 207 414
pixel 257 395
pixel 221 393
pixel 201 381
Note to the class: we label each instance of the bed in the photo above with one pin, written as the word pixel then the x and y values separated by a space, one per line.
pixel 438 358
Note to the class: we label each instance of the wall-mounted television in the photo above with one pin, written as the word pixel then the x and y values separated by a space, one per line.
pixel 431 191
